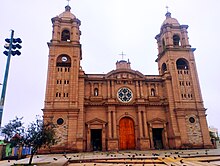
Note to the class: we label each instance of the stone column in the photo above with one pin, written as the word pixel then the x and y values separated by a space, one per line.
pixel 109 124
pixel 140 124
pixel 88 139
pixel 149 91
pixel 145 126
pixel 165 136
pixel 114 125
pixel 137 90
pixel 108 92
pixel 113 89
pixel 100 89
pixel 151 137
pixel 103 138
pixel 92 89
pixel 156 88
pixel 141 89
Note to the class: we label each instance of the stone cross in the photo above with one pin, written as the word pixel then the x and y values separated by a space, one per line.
pixel 122 55
pixel 68 2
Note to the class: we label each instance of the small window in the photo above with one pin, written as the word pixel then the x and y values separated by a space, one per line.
pixel 164 67
pixel 58 94
pixel 65 35
pixel 176 40
pixel 96 92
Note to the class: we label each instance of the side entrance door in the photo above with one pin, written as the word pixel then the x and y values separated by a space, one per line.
pixel 158 138
pixel 126 134
pixel 96 139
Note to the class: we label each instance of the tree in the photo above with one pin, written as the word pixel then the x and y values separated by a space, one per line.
pixel 13 128
pixel 38 134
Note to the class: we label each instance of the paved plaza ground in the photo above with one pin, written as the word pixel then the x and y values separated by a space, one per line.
pixel 196 157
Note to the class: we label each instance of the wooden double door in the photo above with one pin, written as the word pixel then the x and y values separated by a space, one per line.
pixel 126 134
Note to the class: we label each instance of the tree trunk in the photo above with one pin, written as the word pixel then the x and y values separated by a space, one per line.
pixel 32 155
pixel 20 151
pixel 31 158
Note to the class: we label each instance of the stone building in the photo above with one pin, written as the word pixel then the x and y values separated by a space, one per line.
pixel 124 108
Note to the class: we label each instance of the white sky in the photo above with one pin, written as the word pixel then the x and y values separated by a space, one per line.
pixel 108 28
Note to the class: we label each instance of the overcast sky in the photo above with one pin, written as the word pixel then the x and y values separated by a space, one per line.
pixel 108 28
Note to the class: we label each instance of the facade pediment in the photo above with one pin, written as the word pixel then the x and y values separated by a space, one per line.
pixel 96 121
pixel 157 121
pixel 124 74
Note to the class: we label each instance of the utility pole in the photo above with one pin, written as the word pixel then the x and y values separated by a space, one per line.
pixel 11 46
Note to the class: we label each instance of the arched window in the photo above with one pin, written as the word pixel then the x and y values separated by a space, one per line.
pixel 164 67
pixel 63 61
pixel 182 64
pixel 65 35
pixel 153 92
pixel 96 92
pixel 176 40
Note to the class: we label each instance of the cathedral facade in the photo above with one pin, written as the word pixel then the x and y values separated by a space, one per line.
pixel 124 109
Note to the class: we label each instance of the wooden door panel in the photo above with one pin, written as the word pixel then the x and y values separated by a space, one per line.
pixel 126 134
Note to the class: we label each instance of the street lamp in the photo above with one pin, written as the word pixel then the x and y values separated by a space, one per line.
pixel 11 49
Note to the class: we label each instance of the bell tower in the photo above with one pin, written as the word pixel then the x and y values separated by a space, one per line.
pixel 64 89
pixel 177 66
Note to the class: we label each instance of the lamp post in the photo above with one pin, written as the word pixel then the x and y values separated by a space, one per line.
pixel 11 45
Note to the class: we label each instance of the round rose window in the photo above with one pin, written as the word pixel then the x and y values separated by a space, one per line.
pixel 192 120
pixel 124 95
pixel 60 121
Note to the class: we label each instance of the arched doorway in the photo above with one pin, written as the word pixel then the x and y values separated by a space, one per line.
pixel 126 134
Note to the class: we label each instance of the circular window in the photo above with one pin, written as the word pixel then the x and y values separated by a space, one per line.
pixel 192 120
pixel 124 95
pixel 60 121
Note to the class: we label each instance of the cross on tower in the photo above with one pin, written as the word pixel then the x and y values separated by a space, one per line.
pixel 68 2
pixel 122 55
pixel 167 8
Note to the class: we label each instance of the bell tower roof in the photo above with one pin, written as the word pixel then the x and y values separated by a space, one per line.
pixel 67 14
pixel 170 20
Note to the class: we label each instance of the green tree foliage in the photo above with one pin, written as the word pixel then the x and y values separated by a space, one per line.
pixel 14 129
pixel 37 135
